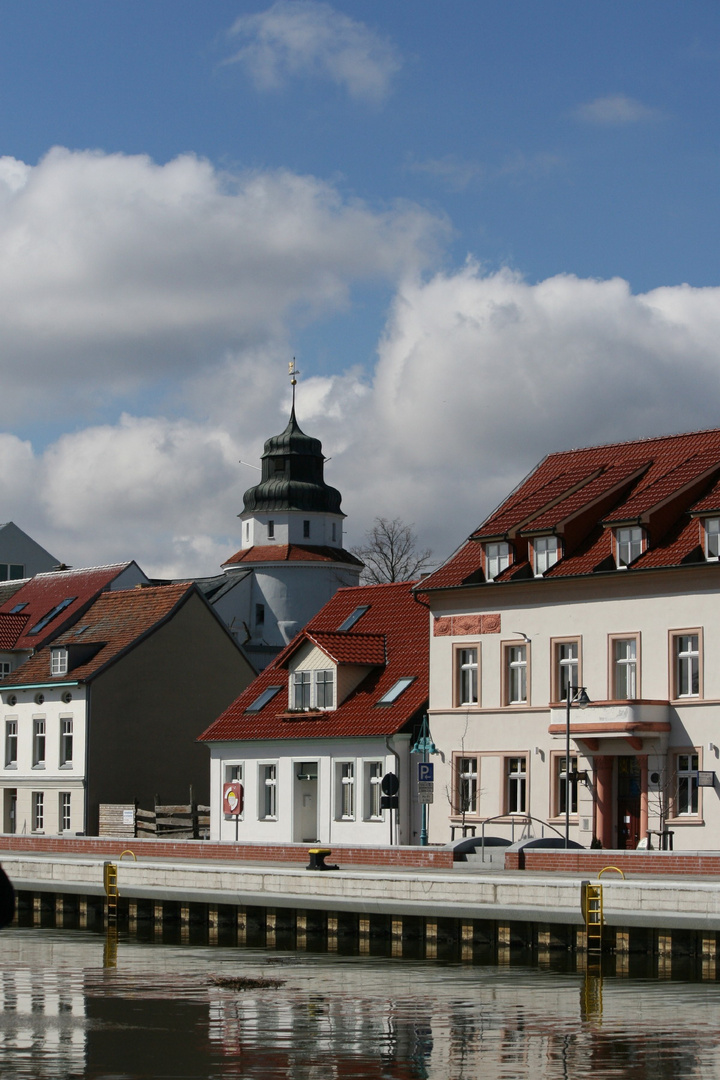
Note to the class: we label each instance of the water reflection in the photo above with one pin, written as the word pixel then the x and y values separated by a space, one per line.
pixel 168 1011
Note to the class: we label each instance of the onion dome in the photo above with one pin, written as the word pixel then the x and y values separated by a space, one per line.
pixel 292 476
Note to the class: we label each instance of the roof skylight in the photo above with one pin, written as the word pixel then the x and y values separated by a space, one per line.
pixel 17 608
pixel 51 615
pixel 353 618
pixel 262 699
pixel 390 696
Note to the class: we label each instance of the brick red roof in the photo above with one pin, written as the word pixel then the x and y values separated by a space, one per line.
pixel 393 616
pixel 265 553
pixel 662 484
pixel 115 622
pixel 44 592
pixel 347 648
pixel 11 627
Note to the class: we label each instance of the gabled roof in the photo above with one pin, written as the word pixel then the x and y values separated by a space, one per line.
pixel 662 484
pixel 392 618
pixel 266 553
pixel 114 623
pixel 55 600
pixel 347 648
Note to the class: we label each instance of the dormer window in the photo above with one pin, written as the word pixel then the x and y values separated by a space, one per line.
pixel 313 689
pixel 629 545
pixel 712 538
pixel 58 661
pixel 497 559
pixel 545 554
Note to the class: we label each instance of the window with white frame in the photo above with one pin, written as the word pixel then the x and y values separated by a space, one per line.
pixel 686 662
pixel 466 801
pixel 39 743
pixel 11 571
pixel 545 554
pixel 516 785
pixel 325 688
pixel 686 785
pixel 268 792
pixel 564 786
pixel 346 790
pixel 38 811
pixel 66 740
pixel 567 667
pixel 466 676
pixel 65 813
pixel 58 661
pixel 5 668
pixel 625 668
pixel 497 559
pixel 628 545
pixel 301 689
pixel 373 790
pixel 516 663
pixel 712 538
pixel 11 736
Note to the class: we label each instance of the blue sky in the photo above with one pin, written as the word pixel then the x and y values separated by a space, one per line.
pixel 464 218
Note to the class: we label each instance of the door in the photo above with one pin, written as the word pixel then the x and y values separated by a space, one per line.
pixel 628 802
pixel 10 810
pixel 306 802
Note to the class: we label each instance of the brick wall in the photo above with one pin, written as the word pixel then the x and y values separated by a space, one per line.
pixel 111 848
pixel 630 862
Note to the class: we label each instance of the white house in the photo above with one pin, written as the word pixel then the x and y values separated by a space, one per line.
pixel 601 570
pixel 312 738
pixel 20 555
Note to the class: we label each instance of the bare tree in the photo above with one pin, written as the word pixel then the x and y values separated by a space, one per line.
pixel 390 552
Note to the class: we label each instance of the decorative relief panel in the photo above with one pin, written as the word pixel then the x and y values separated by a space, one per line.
pixel 464 625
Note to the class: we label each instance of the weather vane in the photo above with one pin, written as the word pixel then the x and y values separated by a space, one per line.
pixel 293 372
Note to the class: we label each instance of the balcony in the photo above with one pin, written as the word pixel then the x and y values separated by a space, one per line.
pixel 629 720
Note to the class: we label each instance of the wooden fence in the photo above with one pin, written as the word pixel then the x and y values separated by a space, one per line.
pixel 183 821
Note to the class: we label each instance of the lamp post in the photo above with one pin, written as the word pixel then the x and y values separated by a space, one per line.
pixel 576 695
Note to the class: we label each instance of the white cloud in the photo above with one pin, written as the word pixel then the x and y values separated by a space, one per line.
pixel 307 38
pixel 117 273
pixel 477 378
pixel 615 110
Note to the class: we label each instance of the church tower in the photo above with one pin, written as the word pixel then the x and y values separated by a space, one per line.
pixel 292 532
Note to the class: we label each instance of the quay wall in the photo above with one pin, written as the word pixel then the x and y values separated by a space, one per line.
pixel 547 900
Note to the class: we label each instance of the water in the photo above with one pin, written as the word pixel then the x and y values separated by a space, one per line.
pixel 166 1011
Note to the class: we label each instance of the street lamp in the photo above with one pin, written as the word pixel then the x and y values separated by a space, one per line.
pixel 576 695
pixel 424 745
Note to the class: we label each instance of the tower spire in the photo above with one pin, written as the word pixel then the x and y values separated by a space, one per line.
pixel 293 372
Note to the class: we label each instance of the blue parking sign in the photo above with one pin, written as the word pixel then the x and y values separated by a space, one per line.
pixel 426 771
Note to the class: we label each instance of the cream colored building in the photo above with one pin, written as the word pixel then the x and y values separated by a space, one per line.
pixel 600 572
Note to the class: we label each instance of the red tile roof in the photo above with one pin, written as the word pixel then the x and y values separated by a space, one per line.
pixel 11 627
pixel 115 622
pixel 659 483
pixel 43 593
pixel 292 553
pixel 392 616
pixel 349 648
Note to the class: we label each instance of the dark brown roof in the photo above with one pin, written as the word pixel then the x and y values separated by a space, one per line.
pixel 114 623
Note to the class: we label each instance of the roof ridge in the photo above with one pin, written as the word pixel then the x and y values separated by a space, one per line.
pixel 644 439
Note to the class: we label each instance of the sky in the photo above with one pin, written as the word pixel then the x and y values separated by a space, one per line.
pixel 485 230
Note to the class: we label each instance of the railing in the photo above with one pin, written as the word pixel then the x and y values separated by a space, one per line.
pixel 526 819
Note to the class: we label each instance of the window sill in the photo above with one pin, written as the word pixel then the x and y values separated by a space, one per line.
pixel 560 819
pixel 267 819
pixel 691 820
pixel 40 767
pixel 67 765
pixel 11 765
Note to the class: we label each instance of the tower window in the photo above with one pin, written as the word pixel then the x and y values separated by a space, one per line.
pixel 306 530
pixel 271 530
pixel 259 614
pixel 279 465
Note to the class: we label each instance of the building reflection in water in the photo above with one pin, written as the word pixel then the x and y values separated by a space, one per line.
pixel 66 1012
